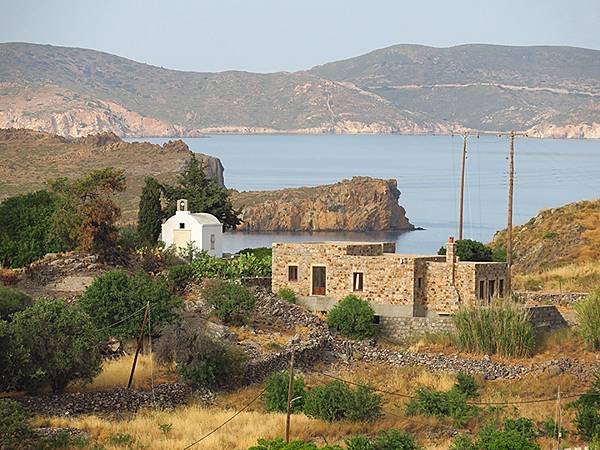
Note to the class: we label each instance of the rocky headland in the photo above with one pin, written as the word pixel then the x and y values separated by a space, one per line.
pixel 358 204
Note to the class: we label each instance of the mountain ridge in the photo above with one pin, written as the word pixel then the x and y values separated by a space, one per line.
pixel 405 88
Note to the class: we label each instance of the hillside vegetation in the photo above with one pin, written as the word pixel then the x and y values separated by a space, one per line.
pixel 550 91
pixel 31 158
pixel 559 248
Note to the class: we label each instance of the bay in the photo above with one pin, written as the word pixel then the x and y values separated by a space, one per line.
pixel 548 173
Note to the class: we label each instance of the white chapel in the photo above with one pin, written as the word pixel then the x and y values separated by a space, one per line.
pixel 202 229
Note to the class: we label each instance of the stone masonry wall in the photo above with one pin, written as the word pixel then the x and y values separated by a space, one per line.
pixel 549 298
pixel 545 318
pixel 402 329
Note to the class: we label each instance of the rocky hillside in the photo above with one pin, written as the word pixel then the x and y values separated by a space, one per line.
pixel 30 158
pixel 556 237
pixel 549 91
pixel 359 204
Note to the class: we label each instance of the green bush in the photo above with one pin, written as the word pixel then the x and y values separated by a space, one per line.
pixel 14 429
pixel 287 294
pixel 12 301
pixel 233 302
pixel 279 444
pixel 61 343
pixel 587 419
pixel 386 440
pixel 13 358
pixel 25 224
pixel 180 276
pixel 259 252
pixel 515 435
pixel 588 315
pixel 276 393
pixel 336 401
pixel 502 328
pixel 115 295
pixel 199 357
pixel 352 317
pixel 245 265
pixel 470 250
pixel 452 403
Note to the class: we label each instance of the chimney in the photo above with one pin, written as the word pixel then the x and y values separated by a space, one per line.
pixel 451 250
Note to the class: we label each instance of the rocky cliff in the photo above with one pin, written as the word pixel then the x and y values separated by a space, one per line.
pixel 359 204
pixel 30 158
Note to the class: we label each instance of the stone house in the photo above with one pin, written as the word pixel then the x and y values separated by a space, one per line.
pixel 396 285
pixel 202 230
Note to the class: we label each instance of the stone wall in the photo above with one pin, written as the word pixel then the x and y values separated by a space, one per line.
pixel 549 298
pixel 402 329
pixel 261 282
pixel 546 318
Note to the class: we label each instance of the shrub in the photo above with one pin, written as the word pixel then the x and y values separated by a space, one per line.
pixel 516 435
pixel 352 317
pixel 588 315
pixel 180 276
pixel 14 428
pixel 502 328
pixel 279 444
pixel 12 301
pixel 276 393
pixel 198 357
pixel 452 403
pixel 25 223
pixel 233 302
pixel 335 401
pixel 470 250
pixel 115 295
pixel 287 294
pixel 13 358
pixel 245 265
pixel 587 419
pixel 386 440
pixel 61 342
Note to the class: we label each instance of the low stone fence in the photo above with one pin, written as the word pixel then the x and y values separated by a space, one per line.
pixel 261 282
pixel 549 298
pixel 403 329
pixel 546 318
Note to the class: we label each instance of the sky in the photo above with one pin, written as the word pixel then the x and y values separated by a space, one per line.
pixel 285 35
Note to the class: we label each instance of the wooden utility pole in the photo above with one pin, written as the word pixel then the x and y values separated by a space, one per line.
pixel 139 344
pixel 511 176
pixel 462 187
pixel 289 399
pixel 558 420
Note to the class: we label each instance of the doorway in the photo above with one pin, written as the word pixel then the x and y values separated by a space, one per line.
pixel 319 277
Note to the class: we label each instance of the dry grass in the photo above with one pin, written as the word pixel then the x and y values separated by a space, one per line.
pixel 115 373
pixel 582 277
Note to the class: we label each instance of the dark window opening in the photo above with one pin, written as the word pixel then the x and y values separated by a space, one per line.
pixel 491 288
pixel 481 289
pixel 292 273
pixel 357 281
pixel 376 320
pixel 419 282
pixel 501 288
pixel 181 225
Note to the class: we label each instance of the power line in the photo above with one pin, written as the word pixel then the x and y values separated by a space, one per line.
pixel 122 320
pixel 227 421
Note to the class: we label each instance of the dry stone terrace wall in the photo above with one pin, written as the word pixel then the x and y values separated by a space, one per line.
pixel 549 298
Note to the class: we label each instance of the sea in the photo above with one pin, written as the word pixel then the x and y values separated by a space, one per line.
pixel 548 174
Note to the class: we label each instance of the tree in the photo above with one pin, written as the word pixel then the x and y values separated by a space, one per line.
pixel 203 195
pixel 353 317
pixel 469 250
pixel 25 221
pixel 115 295
pixel 13 358
pixel 150 212
pixel 12 301
pixel 276 392
pixel 61 342
pixel 87 213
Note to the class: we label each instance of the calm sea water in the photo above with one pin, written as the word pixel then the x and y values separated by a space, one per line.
pixel 548 173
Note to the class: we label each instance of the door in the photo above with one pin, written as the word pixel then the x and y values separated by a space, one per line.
pixel 319 277
pixel 181 238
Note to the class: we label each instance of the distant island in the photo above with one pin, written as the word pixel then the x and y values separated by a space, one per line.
pixel 547 91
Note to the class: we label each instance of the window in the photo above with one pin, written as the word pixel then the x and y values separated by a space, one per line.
pixel 481 289
pixel 292 273
pixel 357 281
pixel 419 282
pixel 491 288
pixel 501 288
pixel 181 225
pixel 212 241
pixel 376 319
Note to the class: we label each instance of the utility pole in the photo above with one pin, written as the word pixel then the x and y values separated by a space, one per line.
pixel 511 175
pixel 462 186
pixel 139 344
pixel 558 417
pixel 289 399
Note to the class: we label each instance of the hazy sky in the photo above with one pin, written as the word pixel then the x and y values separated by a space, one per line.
pixel 272 35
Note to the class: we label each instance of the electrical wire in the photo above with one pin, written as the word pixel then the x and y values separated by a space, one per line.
pixel 122 320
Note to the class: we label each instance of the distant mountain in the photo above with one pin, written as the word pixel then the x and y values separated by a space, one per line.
pixel 550 91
